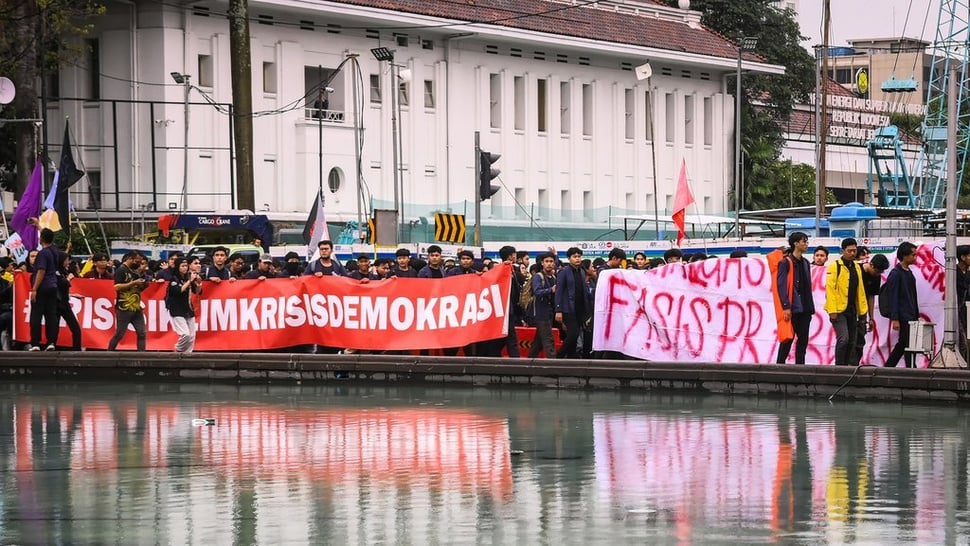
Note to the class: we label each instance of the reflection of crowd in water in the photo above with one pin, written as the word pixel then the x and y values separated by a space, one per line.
pixel 548 295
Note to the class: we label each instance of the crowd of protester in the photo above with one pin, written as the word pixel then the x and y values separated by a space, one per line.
pixel 547 294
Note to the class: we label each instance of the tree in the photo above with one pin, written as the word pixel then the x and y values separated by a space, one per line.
pixel 767 101
pixel 36 37
pixel 786 184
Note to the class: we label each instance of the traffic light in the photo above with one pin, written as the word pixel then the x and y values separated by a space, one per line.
pixel 486 173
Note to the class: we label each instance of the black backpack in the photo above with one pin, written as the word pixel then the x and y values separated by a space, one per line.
pixel 885 307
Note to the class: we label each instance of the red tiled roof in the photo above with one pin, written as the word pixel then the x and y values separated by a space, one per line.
pixel 579 21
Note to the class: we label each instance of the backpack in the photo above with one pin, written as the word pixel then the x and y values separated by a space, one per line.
pixel 526 296
pixel 885 308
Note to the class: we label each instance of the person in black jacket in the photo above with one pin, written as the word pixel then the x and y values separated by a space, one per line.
pixel 573 304
pixel 900 290
pixel 794 270
pixel 64 311
pixel 178 301
pixel 543 306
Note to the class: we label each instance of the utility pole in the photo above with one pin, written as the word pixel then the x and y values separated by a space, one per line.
pixel 949 356
pixel 240 67
pixel 477 233
pixel 821 123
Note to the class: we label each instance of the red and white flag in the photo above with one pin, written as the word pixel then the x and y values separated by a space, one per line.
pixel 682 199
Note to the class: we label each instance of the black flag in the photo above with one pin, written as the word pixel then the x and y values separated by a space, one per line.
pixel 67 175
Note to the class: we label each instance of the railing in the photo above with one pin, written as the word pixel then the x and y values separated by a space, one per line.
pixel 328 116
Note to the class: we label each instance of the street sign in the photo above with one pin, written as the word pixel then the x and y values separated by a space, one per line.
pixel 449 227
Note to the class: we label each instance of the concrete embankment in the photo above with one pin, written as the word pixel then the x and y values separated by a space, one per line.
pixel 747 379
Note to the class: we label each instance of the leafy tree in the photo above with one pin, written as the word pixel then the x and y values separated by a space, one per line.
pixel 767 101
pixel 36 37
pixel 786 184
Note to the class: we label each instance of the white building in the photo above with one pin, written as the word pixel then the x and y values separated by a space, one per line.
pixel 551 86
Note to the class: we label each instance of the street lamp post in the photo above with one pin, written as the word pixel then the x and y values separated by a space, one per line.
pixel 745 44
pixel 385 54
pixel 184 80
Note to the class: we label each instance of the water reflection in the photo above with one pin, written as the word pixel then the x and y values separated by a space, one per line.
pixel 113 463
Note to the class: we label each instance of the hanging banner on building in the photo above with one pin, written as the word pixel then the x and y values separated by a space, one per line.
pixel 721 310
pixel 252 315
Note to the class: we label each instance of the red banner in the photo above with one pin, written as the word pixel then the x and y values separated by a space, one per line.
pixel 252 315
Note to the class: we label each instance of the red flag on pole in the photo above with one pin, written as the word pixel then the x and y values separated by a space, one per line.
pixel 682 199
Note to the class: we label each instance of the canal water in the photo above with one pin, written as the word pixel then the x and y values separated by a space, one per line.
pixel 363 464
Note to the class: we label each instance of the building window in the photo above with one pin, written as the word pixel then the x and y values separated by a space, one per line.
pixel 587 205
pixel 495 100
pixel 689 119
pixel 670 126
pixel 53 83
pixel 375 88
pixel 402 93
pixel 519 88
pixel 708 121
pixel 542 103
pixel 94 189
pixel 564 203
pixel 334 179
pixel 429 94
pixel 565 97
pixel 94 69
pixel 631 203
pixel 205 71
pixel 520 211
pixel 629 114
pixel 587 109
pixel 269 78
pixel 543 203
pixel 648 108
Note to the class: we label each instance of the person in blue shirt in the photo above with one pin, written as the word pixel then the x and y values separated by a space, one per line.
pixel 43 294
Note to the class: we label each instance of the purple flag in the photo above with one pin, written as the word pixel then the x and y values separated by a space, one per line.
pixel 29 207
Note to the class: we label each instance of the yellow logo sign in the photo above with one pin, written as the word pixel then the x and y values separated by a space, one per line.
pixel 862 81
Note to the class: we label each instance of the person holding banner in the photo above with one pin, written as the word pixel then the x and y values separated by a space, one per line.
pixel 542 307
pixel 794 283
pixel 43 293
pixel 100 269
pixel 64 310
pixel 434 269
pixel 846 302
pixel 129 285
pixel 325 264
pixel 178 301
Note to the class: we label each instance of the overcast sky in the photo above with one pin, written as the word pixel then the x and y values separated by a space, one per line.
pixel 853 19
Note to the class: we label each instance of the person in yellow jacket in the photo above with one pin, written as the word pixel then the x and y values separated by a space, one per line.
pixel 845 301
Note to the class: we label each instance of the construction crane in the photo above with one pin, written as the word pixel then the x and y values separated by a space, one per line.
pixel 924 187
pixel 949 49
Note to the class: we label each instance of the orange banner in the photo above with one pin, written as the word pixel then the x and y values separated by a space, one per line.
pixel 252 315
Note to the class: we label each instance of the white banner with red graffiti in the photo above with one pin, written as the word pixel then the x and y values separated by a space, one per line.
pixel 721 310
